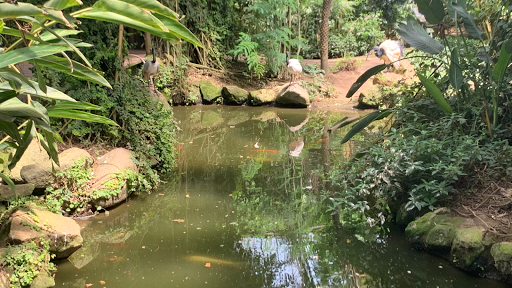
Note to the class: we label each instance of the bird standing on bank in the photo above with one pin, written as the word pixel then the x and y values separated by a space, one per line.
pixel 390 51
pixel 293 66
pixel 150 68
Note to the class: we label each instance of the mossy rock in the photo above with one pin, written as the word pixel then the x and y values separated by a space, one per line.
pixel 233 95
pixel 262 97
pixel 440 238
pixel 209 91
pixel 467 246
pixel 370 98
pixel 502 255
pixel 417 230
pixel 194 95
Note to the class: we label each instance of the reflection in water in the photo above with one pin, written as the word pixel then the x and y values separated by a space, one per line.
pixel 238 214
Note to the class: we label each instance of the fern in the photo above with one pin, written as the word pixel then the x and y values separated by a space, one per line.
pixel 255 64
pixel 247 48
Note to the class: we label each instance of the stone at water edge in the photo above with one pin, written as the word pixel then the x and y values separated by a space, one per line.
pixel 440 238
pixel 233 95
pixel 293 96
pixel 262 97
pixel 467 246
pixel 28 225
pixel 33 155
pixel 209 91
pixel 502 255
pixel 21 189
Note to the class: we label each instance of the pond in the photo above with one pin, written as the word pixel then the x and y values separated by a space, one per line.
pixel 245 208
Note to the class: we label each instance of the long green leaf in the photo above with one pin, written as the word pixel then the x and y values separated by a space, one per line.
pixel 436 94
pixel 415 35
pixel 433 10
pixel 29 53
pixel 469 22
pixel 1 25
pixel 10 129
pixel 15 107
pixel 66 105
pixel 449 7
pixel 52 93
pixel 8 10
pixel 47 35
pixel 79 70
pixel 51 148
pixel 154 6
pixel 6 95
pixel 10 183
pixel 62 4
pixel 130 11
pixel 455 71
pixel 179 30
pixel 17 33
pixel 81 115
pixel 502 64
pixel 8 73
pixel 363 123
pixel 508 46
pixel 365 76
pixel 27 138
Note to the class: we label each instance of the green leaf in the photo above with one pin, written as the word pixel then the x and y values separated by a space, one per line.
pixel 469 22
pixel 62 4
pixel 80 115
pixel 79 70
pixel 179 30
pixel 154 6
pixel 436 94
pixel 11 74
pixel 51 93
pixel 17 33
pixel 66 105
pixel 8 10
pixel 51 148
pixel 455 71
pixel 433 10
pixel 29 53
pixel 415 35
pixel 365 76
pixel 6 95
pixel 9 182
pixel 10 129
pixel 47 35
pixel 451 12
pixel 15 107
pixel 502 64
pixel 363 123
pixel 1 25
pixel 41 81
pixel 508 46
pixel 27 138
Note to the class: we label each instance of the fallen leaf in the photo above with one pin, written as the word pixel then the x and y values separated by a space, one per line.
pixel 187 196
pixel 246 146
pixel 88 285
pixel 121 233
pixel 179 220
pixel 207 265
pixel 102 282
pixel 161 194
pixel 143 247
pixel 230 195
pixel 348 240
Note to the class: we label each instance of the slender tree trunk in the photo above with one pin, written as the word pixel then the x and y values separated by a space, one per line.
pixel 324 35
pixel 147 42
pixel 298 24
pixel 119 50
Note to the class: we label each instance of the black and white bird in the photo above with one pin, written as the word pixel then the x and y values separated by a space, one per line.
pixel 390 51
pixel 150 68
pixel 293 66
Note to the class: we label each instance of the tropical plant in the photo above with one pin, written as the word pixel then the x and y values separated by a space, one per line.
pixel 33 27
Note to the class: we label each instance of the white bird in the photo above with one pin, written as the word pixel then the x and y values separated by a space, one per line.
pixel 150 68
pixel 390 51
pixel 293 66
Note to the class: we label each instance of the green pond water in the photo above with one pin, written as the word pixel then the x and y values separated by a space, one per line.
pixel 244 208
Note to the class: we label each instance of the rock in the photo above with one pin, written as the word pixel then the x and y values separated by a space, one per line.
pixel 209 91
pixel 159 97
pixel 404 217
pixel 502 255
pixel 266 116
pixel 370 98
pixel 440 238
pixel 41 174
pixel 467 245
pixel 293 96
pixel 262 97
pixel 21 189
pixel 417 230
pixel 33 155
pixel 194 95
pixel 43 280
pixel 211 118
pixel 105 171
pixel 30 224
pixel 233 95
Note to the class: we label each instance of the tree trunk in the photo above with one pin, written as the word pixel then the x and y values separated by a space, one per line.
pixel 119 50
pixel 324 35
pixel 147 42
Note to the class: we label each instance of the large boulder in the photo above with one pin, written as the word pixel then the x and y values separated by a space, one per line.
pixel 106 170
pixel 293 96
pixel 209 91
pixel 33 155
pixel 32 223
pixel 370 98
pixel 502 255
pixel 21 190
pixel 467 245
pixel 158 97
pixel 262 97
pixel 233 95
pixel 41 174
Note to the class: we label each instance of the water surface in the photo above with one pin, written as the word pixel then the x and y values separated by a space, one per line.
pixel 244 208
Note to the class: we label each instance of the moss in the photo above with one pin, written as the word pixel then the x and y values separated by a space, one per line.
pixel 234 95
pixel 440 237
pixel 209 91
pixel 502 254
pixel 467 245
pixel 418 229
pixel 262 96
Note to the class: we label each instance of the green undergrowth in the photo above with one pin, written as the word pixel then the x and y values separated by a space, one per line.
pixel 346 64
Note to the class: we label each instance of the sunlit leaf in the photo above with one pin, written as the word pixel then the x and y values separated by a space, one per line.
pixel 415 35
pixel 51 93
pixel 455 71
pixel 15 107
pixel 11 74
pixel 80 115
pixel 365 76
pixel 433 10
pixel 47 36
pixel 66 105
pixel 62 4
pixel 29 53
pixel 436 94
